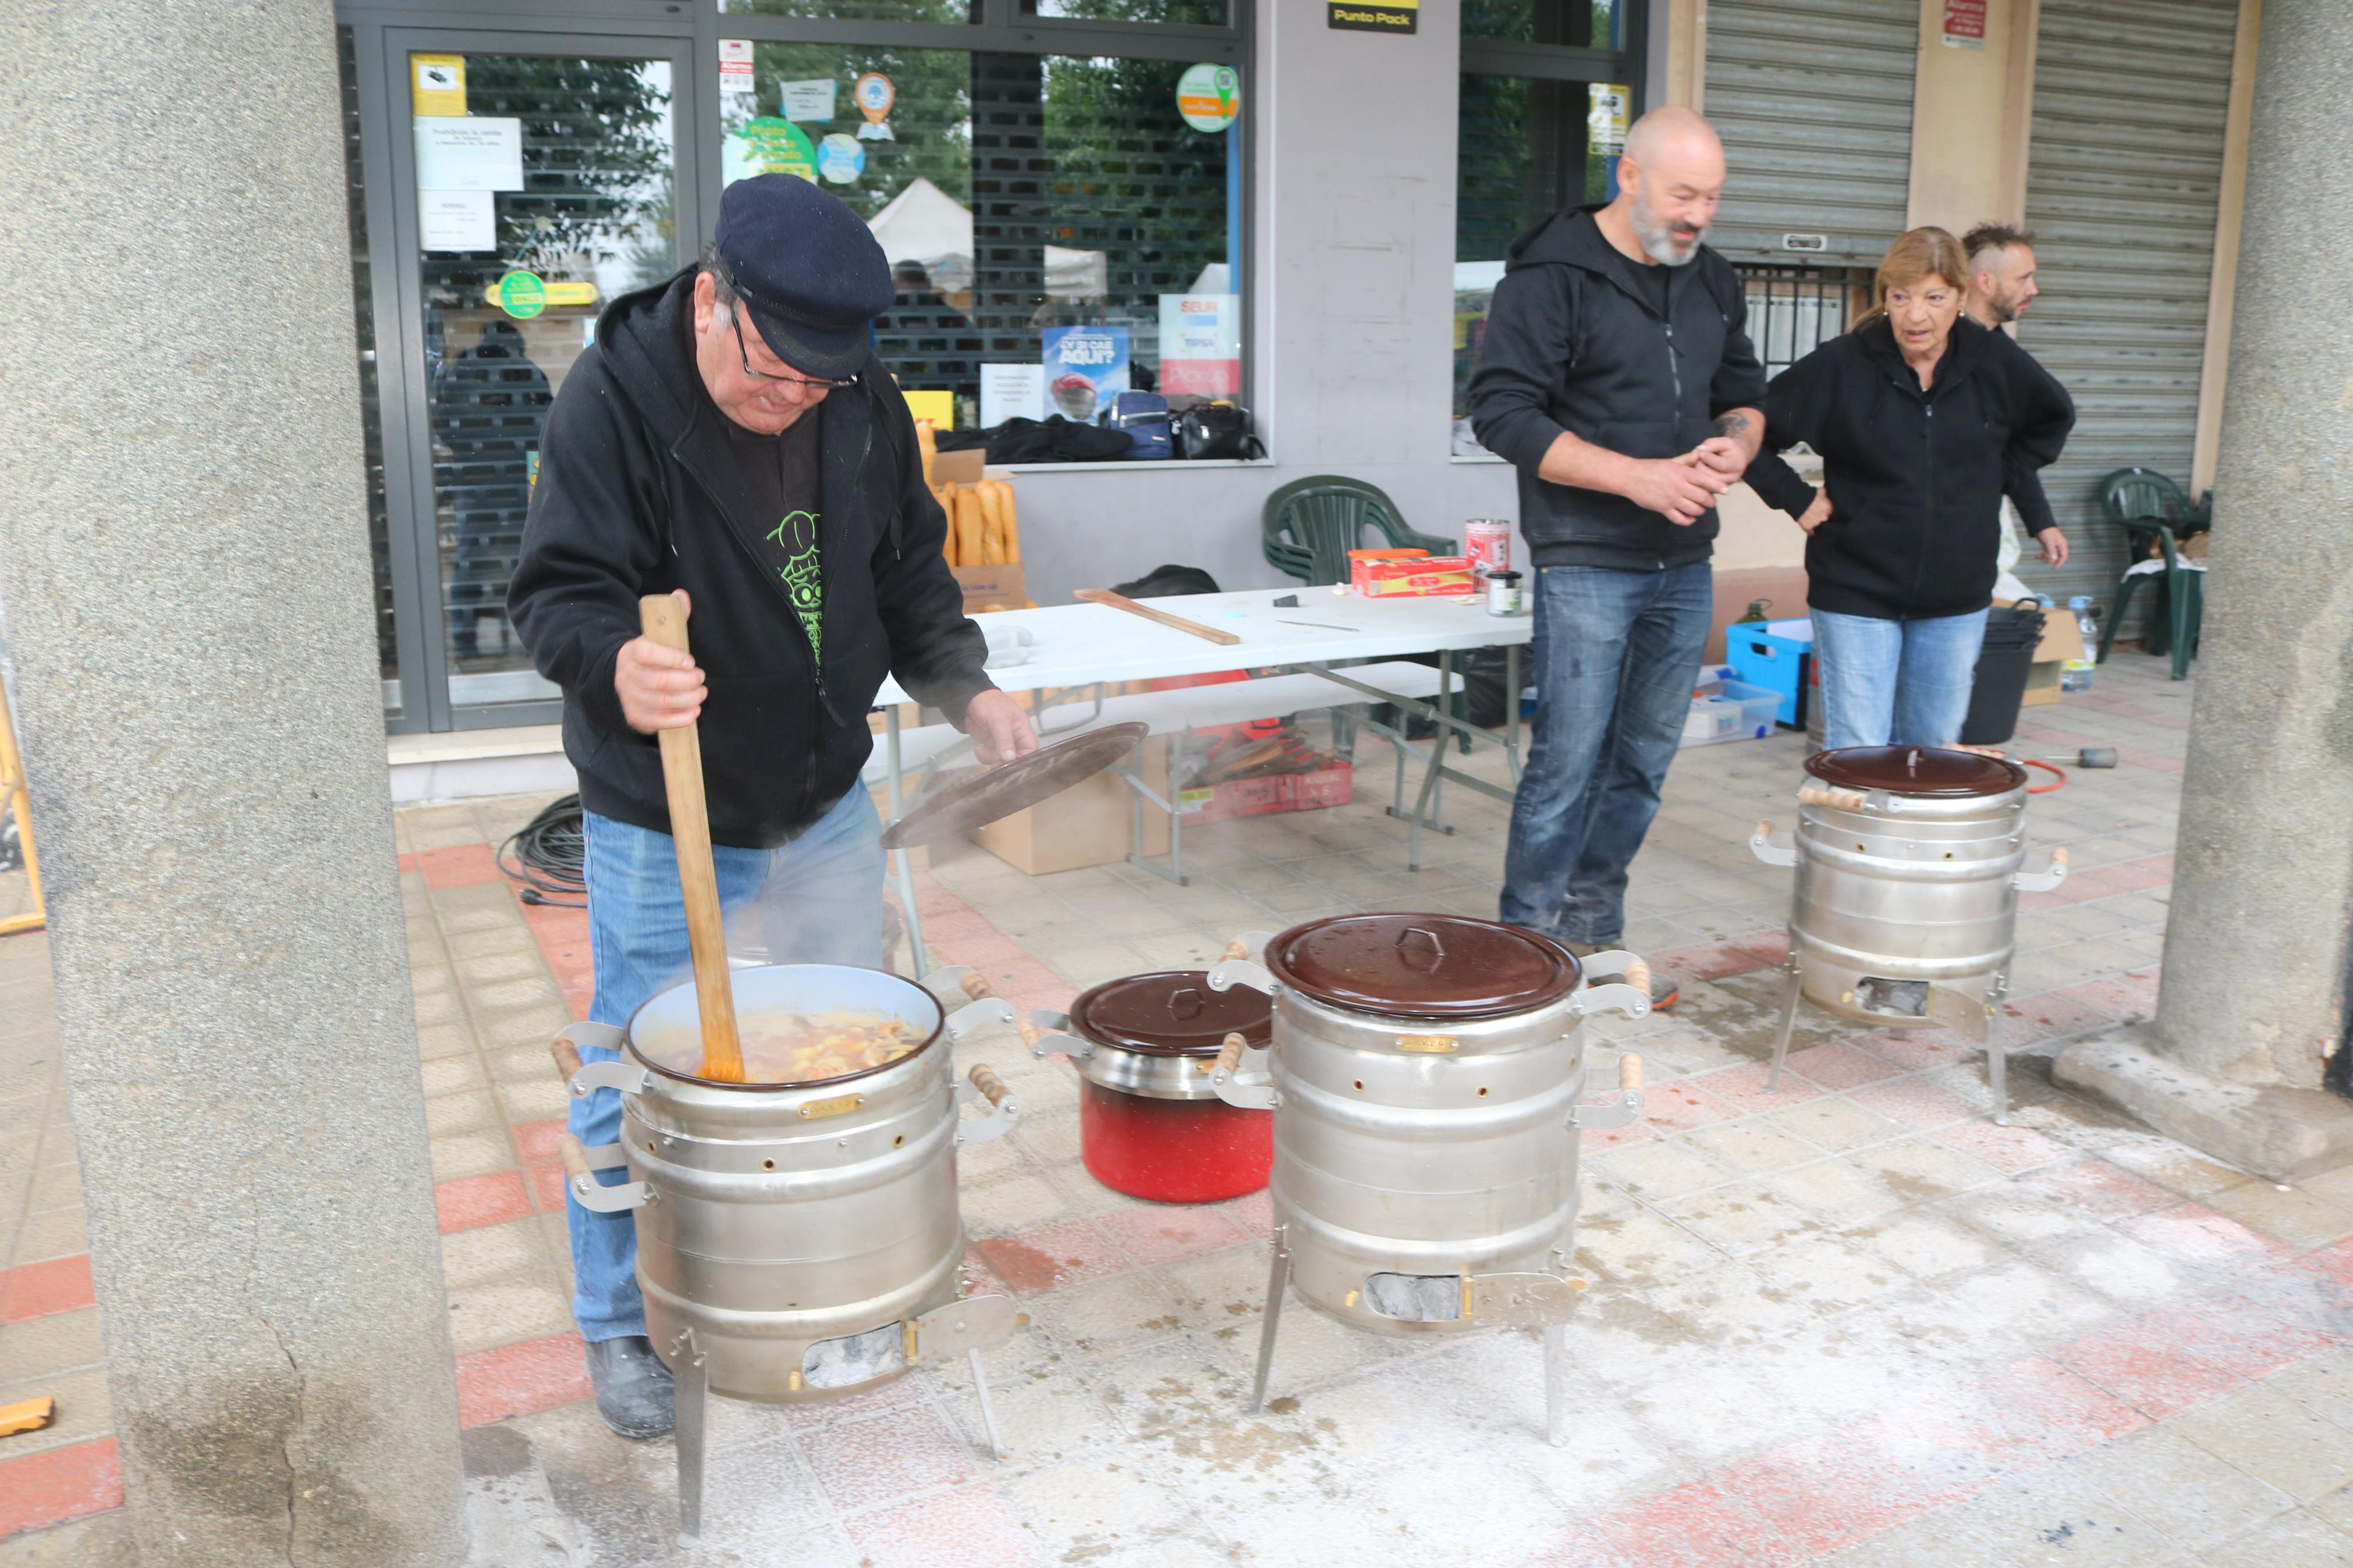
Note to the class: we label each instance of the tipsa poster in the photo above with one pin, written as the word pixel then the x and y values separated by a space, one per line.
pixel 1200 345
pixel 1086 367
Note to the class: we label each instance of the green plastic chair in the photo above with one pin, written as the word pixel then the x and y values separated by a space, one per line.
pixel 2147 505
pixel 1311 524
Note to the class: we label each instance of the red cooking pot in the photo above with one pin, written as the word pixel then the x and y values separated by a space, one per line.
pixel 1150 1125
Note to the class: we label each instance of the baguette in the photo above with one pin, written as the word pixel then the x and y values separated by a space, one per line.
pixel 926 446
pixel 1012 522
pixel 969 526
pixel 992 523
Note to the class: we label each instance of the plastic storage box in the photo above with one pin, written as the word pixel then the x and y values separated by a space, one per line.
pixel 1773 655
pixel 1726 709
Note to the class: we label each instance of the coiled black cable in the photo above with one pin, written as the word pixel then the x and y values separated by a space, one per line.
pixel 549 856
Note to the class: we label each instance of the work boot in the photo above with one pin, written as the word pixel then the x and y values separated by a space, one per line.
pixel 633 1387
pixel 1665 991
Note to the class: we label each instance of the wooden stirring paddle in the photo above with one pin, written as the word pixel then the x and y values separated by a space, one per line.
pixel 663 618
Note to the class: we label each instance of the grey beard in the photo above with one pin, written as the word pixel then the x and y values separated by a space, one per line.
pixel 1658 243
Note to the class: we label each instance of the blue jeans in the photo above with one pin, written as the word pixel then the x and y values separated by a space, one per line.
pixel 1901 683
pixel 1616 653
pixel 818 900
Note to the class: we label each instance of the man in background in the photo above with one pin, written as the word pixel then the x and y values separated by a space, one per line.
pixel 2001 286
pixel 1617 375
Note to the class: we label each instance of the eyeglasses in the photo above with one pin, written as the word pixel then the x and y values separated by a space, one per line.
pixel 809 383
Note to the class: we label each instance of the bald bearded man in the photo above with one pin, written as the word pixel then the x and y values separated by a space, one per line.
pixel 1617 375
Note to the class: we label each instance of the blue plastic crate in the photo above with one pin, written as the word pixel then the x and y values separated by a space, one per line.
pixel 1773 655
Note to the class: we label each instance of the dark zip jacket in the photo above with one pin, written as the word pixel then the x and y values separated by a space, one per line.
pixel 1916 477
pixel 637 495
pixel 1571 344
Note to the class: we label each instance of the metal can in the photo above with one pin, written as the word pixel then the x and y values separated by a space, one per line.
pixel 1487 540
pixel 1503 593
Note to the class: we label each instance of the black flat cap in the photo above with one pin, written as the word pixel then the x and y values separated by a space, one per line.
pixel 810 272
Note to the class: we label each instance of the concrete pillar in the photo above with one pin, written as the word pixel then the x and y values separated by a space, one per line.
pixel 2253 997
pixel 184 564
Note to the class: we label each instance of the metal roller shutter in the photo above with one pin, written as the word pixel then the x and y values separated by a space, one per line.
pixel 1813 99
pixel 2123 187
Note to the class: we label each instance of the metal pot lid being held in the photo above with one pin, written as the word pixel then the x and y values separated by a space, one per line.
pixel 1927 771
pixel 1422 966
pixel 954 810
pixel 1171 1013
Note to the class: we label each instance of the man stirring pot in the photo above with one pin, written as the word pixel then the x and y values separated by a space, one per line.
pixel 731 437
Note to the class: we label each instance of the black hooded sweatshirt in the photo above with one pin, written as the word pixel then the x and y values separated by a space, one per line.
pixel 1916 477
pixel 639 494
pixel 1576 340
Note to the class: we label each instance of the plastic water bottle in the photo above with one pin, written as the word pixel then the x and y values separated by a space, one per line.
pixel 2075 674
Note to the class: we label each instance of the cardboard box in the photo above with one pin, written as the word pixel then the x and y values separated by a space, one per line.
pixel 1380 574
pixel 1333 785
pixel 960 468
pixel 2062 640
pixel 1000 587
pixel 1086 825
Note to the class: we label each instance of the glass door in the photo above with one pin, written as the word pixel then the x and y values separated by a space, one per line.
pixel 535 178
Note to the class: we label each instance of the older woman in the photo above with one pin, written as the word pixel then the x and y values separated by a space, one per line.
pixel 1923 419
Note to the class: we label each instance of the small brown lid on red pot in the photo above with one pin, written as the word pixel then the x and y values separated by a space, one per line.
pixel 1172 1013
pixel 1422 965
pixel 1916 770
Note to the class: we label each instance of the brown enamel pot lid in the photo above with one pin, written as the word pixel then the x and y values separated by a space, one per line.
pixel 1171 1013
pixel 1916 770
pixel 1422 966
pixel 953 810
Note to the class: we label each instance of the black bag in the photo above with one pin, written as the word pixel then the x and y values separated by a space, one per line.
pixel 1055 440
pixel 1166 582
pixel 1217 430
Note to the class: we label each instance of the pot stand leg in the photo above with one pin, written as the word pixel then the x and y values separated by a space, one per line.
pixel 1788 1022
pixel 997 1448
pixel 691 1390
pixel 1278 1276
pixel 1997 1065
pixel 1555 1354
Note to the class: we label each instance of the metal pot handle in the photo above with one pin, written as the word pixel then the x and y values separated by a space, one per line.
pixel 580 1165
pixel 1004 1110
pixel 1254 1092
pixel 1053 1034
pixel 1761 845
pixel 1233 972
pixel 986 1006
pixel 1602 1115
pixel 2043 881
pixel 1630 999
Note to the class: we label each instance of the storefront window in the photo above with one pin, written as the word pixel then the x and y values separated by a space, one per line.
pixel 387 639
pixel 534 235
pixel 1016 196
pixel 1547 96
pixel 1579 24
pixel 949 11
pixel 1199 13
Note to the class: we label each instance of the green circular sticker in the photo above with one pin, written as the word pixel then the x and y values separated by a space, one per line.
pixel 520 294
pixel 773 145
pixel 1209 96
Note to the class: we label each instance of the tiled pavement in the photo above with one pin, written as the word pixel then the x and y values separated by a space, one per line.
pixel 1851 1323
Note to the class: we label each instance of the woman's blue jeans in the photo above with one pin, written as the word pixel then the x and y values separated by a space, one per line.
pixel 1901 683
pixel 818 899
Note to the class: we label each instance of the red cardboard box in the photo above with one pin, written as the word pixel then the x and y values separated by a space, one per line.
pixel 1235 797
pixel 1427 574
pixel 1329 786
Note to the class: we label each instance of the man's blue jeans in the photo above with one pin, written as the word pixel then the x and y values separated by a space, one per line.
pixel 1902 683
pixel 1616 653
pixel 818 900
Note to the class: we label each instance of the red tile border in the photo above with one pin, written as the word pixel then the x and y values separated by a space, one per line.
pixel 971 1527
pixel 42 1290
pixel 521 1379
pixel 1046 1259
pixel 563 938
pixel 538 1140
pixel 1839 1066
pixel 472 1202
pixel 1710 961
pixel 1915 1103
pixel 59 1485
pixel 459 865
pixel 2049 1016
pixel 1742 1087
pixel 1680 1105
pixel 2009 1150
pixel 1163 1233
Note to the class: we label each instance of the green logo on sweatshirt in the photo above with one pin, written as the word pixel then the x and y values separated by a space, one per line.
pixel 796 537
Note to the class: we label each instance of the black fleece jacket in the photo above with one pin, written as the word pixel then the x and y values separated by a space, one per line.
pixel 1573 343
pixel 1916 477
pixel 637 495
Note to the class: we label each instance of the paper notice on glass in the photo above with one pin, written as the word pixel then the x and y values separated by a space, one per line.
pixel 810 99
pixel 476 153
pixel 1200 345
pixel 1011 392
pixel 735 64
pixel 457 220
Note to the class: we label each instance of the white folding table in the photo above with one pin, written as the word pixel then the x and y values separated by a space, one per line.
pixel 1071 652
